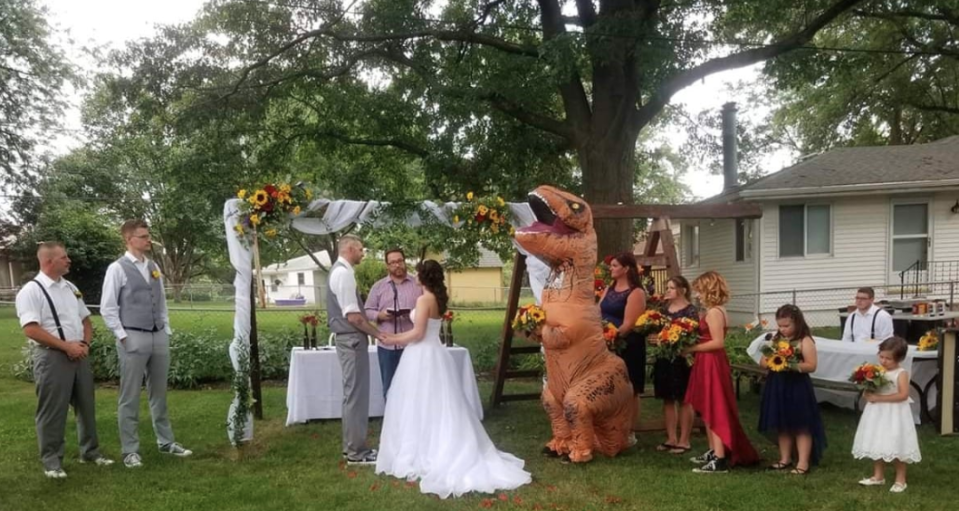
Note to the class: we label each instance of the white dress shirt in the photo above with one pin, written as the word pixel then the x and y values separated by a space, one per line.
pixel 343 285
pixel 863 325
pixel 32 307
pixel 115 279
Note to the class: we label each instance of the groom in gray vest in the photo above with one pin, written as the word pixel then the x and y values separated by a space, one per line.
pixel 133 307
pixel 347 321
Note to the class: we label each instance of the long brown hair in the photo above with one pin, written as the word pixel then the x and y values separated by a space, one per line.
pixel 430 274
pixel 628 261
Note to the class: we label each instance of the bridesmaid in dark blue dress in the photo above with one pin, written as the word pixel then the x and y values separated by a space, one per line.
pixel 671 377
pixel 789 409
pixel 622 304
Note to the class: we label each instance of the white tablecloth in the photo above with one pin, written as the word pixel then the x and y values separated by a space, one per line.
pixel 315 386
pixel 837 359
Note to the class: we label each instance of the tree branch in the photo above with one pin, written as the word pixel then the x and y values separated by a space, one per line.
pixel 372 142
pixel 647 112
pixel 935 108
pixel 944 15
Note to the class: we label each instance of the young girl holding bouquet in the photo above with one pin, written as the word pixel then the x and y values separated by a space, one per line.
pixel 710 389
pixel 886 431
pixel 789 409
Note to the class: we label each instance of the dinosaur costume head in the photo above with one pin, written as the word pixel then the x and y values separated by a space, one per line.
pixel 588 397
pixel 563 230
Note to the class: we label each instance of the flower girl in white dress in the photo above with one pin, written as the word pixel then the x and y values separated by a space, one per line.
pixel 429 432
pixel 886 431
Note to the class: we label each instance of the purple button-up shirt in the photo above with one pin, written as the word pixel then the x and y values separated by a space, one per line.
pixel 382 298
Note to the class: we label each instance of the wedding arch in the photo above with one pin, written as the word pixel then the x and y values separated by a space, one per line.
pixel 322 217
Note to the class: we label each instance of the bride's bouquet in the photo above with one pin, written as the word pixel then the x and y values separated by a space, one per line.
pixel 782 355
pixel 676 336
pixel 869 377
pixel 529 318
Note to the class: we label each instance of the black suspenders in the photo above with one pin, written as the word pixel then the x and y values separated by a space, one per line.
pixel 53 309
pixel 852 325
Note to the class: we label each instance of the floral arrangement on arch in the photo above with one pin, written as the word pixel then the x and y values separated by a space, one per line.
pixel 928 342
pixel 268 209
pixel 487 216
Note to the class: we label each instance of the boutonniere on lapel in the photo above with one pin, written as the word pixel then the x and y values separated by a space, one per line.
pixel 78 294
pixel 155 274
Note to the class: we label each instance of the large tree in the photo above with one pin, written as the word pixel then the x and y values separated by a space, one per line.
pixel 893 79
pixel 32 72
pixel 487 80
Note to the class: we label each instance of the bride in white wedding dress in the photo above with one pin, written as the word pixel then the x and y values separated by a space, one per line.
pixel 429 432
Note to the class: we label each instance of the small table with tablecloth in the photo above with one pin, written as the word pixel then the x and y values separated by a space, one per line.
pixel 315 386
pixel 837 359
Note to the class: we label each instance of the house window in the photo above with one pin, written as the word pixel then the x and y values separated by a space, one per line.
pixel 744 240
pixel 805 229
pixel 910 236
pixel 275 285
pixel 300 279
pixel 690 241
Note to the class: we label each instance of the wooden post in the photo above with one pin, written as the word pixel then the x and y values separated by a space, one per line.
pixel 506 341
pixel 255 359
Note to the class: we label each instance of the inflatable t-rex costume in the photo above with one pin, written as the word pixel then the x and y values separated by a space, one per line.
pixel 588 396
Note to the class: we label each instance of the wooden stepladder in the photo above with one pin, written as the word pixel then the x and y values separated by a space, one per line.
pixel 502 371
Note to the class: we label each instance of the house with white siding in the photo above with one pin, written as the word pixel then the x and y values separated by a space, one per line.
pixel 298 281
pixel 846 218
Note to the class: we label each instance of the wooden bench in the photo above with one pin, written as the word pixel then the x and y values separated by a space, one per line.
pixel 757 374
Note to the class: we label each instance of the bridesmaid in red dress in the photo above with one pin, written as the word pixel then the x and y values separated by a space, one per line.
pixel 710 390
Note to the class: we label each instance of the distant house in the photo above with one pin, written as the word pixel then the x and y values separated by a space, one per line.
pixel 846 218
pixel 298 281
pixel 482 283
pixel 11 272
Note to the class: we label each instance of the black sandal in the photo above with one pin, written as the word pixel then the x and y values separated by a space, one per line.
pixel 666 447
pixel 779 466
pixel 799 471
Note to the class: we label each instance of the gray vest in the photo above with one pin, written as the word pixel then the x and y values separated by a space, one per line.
pixel 334 313
pixel 140 301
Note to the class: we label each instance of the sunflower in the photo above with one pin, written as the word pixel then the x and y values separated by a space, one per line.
pixel 512 231
pixel 456 219
pixel 493 215
pixel 309 194
pixel 259 198
pixel 482 210
pixel 500 202
pixel 777 363
pixel 254 219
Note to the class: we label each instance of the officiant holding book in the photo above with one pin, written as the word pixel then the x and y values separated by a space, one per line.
pixel 389 304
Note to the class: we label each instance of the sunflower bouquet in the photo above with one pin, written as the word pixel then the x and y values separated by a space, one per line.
pixel 782 355
pixel 268 209
pixel 869 377
pixel 928 342
pixel 529 318
pixel 677 335
pixel 650 322
pixel 611 335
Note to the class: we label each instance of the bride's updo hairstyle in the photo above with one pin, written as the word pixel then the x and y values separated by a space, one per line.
pixel 430 274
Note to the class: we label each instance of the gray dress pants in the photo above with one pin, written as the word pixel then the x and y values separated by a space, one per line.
pixel 143 354
pixel 62 382
pixel 351 348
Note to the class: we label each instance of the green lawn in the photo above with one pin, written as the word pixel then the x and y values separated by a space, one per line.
pixel 298 467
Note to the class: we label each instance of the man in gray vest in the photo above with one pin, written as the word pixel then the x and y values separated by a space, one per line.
pixel 133 306
pixel 53 315
pixel 347 321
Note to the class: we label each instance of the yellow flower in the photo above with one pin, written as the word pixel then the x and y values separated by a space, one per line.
pixel 500 202
pixel 270 233
pixel 254 219
pixel 456 219
pixel 259 198
pixel 241 194
pixel 283 197
pixel 155 274
pixel 776 363
pixel 482 210
pixel 469 196
pixel 309 194
pixel 296 210
pixel 512 231
pixel 285 188
pixel 239 229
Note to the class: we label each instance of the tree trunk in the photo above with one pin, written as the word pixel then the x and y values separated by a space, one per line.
pixel 608 174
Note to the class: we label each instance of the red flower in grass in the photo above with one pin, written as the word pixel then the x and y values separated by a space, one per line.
pixel 486 503
pixel 503 497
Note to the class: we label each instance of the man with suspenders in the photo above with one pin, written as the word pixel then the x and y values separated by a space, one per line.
pixel 868 321
pixel 53 315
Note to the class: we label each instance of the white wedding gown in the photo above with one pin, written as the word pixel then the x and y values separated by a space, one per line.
pixel 430 433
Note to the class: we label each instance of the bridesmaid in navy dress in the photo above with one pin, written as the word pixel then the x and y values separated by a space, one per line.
pixel 622 304
pixel 789 409
pixel 671 377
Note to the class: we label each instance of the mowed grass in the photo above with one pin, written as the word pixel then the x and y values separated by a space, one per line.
pixel 292 468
